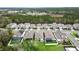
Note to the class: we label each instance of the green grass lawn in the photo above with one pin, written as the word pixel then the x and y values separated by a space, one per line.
pixel 75 34
pixel 40 46
pixel 54 48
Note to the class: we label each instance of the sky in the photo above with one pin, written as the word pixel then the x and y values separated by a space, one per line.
pixel 39 3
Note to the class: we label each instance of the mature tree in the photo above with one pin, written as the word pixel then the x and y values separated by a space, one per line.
pixel 4 21
pixel 5 36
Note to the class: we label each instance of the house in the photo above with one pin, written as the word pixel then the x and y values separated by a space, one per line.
pixel 12 26
pixel 70 49
pixel 27 25
pixel 21 26
pixel 50 26
pixel 55 26
pixel 45 26
pixel 60 25
pixel 17 34
pixel 39 35
pixel 76 26
pixel 64 36
pixel 33 26
pixel 39 26
pixel 67 27
pixel 58 35
pixel 73 41
pixel 29 34
pixel 49 38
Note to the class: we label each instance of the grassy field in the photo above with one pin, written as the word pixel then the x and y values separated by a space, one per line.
pixel 32 45
pixel 54 48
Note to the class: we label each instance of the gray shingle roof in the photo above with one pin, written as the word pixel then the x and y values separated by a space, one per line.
pixel 58 35
pixel 29 34
pixel 38 34
pixel 49 34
